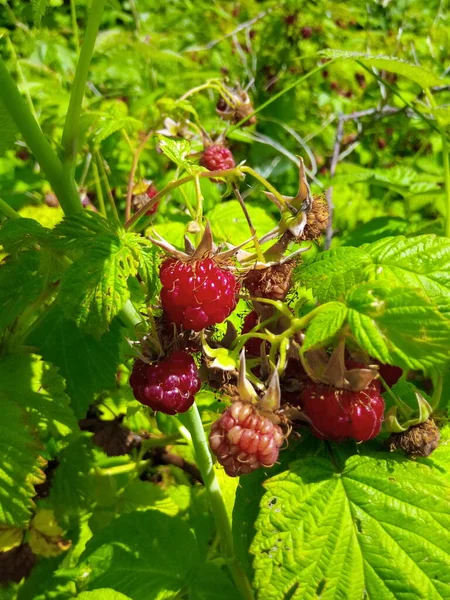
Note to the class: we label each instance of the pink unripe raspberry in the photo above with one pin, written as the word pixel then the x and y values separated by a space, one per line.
pixel 243 440
pixel 169 385
pixel 217 158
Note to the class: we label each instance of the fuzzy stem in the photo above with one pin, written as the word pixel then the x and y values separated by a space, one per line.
pixel 17 107
pixel 72 124
pixel 193 422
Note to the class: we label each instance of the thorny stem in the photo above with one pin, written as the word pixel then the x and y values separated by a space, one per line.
pixel 72 124
pixel 134 165
pixel 193 422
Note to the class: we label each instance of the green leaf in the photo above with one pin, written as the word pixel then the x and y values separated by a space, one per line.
pixel 364 528
pixel 80 231
pixel 140 495
pixel 21 283
pixel 208 582
pixel 20 467
pixel 178 152
pixel 142 554
pixel 40 390
pixel 39 8
pixel 330 274
pixel 88 365
pixel 387 63
pixel 398 326
pixel 16 234
pixel 421 262
pixel 95 287
pixel 325 326
pixel 103 594
pixel 72 490
pixel 228 222
pixel 8 129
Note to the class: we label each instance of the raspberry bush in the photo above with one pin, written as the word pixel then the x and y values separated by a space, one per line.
pixel 224 301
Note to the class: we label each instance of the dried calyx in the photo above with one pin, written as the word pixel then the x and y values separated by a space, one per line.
pixel 417 441
pixel 235 105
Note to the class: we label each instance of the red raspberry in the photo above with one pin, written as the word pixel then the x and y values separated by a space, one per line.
pixel 253 345
pixel 151 193
pixel 243 440
pixel 337 414
pixel 168 386
pixel 217 158
pixel 198 294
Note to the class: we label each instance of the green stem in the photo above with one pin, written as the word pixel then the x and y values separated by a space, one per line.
pixel 72 124
pixel 98 189
pixel 107 186
pixel 73 15
pixel 193 422
pixel 17 107
pixel 437 393
pixel 9 212
pixel 130 316
pixel 265 183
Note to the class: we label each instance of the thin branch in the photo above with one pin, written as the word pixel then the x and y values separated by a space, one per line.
pixel 134 165
pixel 329 193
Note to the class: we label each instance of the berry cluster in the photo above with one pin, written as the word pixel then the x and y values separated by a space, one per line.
pixel 198 294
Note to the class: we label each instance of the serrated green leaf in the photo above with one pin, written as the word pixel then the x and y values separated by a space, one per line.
pixel 330 274
pixel 143 554
pixel 8 129
pixel 398 326
pixel 228 222
pixel 176 150
pixel 20 466
pixel 421 262
pixel 388 63
pixel 72 490
pixel 39 8
pixel 88 365
pixel 80 231
pixel 325 326
pixel 40 390
pixel 365 526
pixel 17 234
pixel 94 288
pixel 21 283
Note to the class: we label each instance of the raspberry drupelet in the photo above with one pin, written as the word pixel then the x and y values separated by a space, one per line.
pixel 217 158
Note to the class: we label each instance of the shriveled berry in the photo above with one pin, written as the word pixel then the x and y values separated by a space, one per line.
pixel 273 282
pixel 217 158
pixel 16 564
pixel 253 345
pixel 198 294
pixel 169 385
pixel 418 440
pixel 243 440
pixel 337 414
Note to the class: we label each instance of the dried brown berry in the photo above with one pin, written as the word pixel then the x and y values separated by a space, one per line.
pixel 317 219
pixel 418 440
pixel 273 282
pixel 16 564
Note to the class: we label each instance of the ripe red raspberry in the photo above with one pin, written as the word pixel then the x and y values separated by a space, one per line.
pixel 151 193
pixel 168 386
pixel 243 440
pixel 198 294
pixel 338 414
pixel 217 158
pixel 253 345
